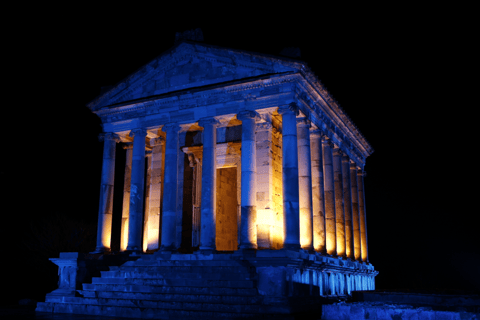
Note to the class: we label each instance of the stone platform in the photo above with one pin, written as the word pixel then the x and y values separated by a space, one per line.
pixel 160 286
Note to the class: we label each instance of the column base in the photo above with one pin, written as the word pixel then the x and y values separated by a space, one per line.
pixel 292 247
pixel 101 250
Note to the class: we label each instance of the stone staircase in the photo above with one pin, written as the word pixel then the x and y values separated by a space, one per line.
pixel 177 286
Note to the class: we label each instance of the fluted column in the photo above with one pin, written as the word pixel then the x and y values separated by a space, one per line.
pixel 363 218
pixel 318 204
pixel 248 237
pixel 347 206
pixel 126 197
pixel 291 212
pixel 104 228
pixel 170 188
pixel 339 211
pixel 305 184
pixel 136 191
pixel 207 220
pixel 329 188
pixel 357 248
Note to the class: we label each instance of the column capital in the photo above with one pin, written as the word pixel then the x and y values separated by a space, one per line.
pixel 208 121
pixel 337 152
pixel 138 132
pixel 108 136
pixel 263 126
pixel 157 141
pixel 127 146
pixel 353 165
pixel 304 122
pixel 361 172
pixel 171 128
pixel 248 114
pixel 292 107
pixel 316 133
pixel 327 141
pixel 345 158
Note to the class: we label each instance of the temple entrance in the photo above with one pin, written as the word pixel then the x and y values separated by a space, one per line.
pixel 226 210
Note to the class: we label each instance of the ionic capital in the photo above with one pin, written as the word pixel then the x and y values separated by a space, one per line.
pixel 353 165
pixel 292 107
pixel 138 132
pixel 248 114
pixel 127 146
pixel 108 136
pixel 303 122
pixel 157 141
pixel 337 152
pixel 326 141
pixel 263 126
pixel 171 128
pixel 208 121
pixel 316 133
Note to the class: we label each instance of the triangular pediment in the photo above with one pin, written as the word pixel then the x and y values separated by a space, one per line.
pixel 192 65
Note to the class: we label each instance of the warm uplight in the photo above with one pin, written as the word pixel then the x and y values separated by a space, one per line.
pixel 124 235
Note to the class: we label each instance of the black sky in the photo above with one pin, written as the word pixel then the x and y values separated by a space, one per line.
pixel 389 68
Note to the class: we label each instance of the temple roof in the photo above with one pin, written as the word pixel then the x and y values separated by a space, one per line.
pixel 191 66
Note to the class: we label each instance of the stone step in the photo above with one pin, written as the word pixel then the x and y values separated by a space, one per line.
pixel 175 263
pixel 93 287
pixel 201 298
pixel 171 310
pixel 178 282
pixel 184 268
pixel 173 274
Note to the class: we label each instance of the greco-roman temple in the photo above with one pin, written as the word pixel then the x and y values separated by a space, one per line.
pixel 243 193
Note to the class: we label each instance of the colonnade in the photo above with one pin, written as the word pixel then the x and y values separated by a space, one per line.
pixel 323 197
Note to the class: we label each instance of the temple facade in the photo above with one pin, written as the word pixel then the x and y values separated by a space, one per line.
pixel 237 154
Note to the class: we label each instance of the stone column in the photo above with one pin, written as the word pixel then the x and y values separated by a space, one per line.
pixel 305 184
pixel 170 188
pixel 363 218
pixel 318 204
pixel 248 237
pixel 104 228
pixel 291 212
pixel 126 198
pixel 355 214
pixel 207 211
pixel 155 193
pixel 329 196
pixel 347 205
pixel 339 211
pixel 136 191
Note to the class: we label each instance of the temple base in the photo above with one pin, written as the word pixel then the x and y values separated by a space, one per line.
pixel 226 285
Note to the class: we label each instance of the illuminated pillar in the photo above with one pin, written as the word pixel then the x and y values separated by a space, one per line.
pixel 363 218
pixel 339 211
pixel 329 188
pixel 155 194
pixel 104 228
pixel 248 237
pixel 355 214
pixel 207 211
pixel 170 188
pixel 318 204
pixel 305 184
pixel 126 198
pixel 347 205
pixel 136 191
pixel 291 212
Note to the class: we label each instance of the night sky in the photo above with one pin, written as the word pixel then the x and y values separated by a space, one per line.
pixel 391 73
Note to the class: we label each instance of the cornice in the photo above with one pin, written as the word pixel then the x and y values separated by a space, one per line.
pixel 157 104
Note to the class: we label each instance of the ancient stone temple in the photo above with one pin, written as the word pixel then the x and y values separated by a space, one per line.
pixel 243 194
